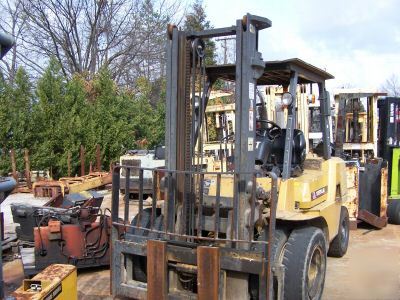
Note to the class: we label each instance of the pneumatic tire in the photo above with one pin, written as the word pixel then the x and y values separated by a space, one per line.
pixel 278 248
pixel 340 243
pixel 305 264
pixel 393 212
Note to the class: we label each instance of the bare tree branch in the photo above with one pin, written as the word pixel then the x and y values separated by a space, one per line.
pixel 392 86
pixel 84 35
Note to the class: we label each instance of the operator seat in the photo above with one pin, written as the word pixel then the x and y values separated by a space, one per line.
pixel 270 153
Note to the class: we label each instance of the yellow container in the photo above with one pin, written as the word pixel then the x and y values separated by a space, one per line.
pixel 55 282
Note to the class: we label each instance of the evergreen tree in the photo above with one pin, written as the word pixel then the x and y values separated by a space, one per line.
pixel 16 119
pixel 5 126
pixel 50 107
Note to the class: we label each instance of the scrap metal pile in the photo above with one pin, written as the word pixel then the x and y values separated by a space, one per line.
pixel 65 185
pixel 67 229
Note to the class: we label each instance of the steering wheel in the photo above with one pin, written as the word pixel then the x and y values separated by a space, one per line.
pixel 273 130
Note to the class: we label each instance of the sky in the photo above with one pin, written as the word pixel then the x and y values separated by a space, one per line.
pixel 357 41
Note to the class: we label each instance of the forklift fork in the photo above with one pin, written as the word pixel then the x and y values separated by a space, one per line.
pixel 208 271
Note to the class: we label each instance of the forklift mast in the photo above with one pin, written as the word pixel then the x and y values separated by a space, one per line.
pixel 185 111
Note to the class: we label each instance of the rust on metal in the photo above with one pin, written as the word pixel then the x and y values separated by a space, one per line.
pixel 49 278
pixel 370 218
pixel 384 191
pixel 65 185
pixel 157 281
pixel 55 271
pixel 48 188
pixel 84 244
pixel 54 226
pixel 208 272
pixel 352 199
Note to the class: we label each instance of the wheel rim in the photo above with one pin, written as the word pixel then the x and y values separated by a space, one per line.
pixel 315 274
pixel 345 233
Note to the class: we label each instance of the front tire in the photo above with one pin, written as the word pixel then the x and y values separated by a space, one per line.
pixel 278 248
pixel 340 243
pixel 305 264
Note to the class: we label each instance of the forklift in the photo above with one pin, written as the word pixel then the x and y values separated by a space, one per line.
pixel 356 141
pixel 260 230
pixel 389 149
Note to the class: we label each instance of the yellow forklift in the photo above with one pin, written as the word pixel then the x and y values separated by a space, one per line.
pixel 260 230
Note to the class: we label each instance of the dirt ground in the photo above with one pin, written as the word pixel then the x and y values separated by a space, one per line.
pixel 370 269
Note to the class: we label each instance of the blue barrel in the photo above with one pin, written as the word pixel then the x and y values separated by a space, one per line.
pixel 7 184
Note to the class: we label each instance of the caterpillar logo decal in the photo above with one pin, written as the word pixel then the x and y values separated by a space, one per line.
pixel 54 293
pixel 318 193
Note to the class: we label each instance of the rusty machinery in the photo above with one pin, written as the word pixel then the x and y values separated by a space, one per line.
pixel 231 234
pixel 356 141
pixel 67 207
pixel 71 229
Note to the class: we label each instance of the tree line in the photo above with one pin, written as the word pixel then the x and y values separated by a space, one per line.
pixel 85 72
pixel 58 115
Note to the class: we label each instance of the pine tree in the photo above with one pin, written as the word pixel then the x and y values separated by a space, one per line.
pixel 16 118
pixel 49 131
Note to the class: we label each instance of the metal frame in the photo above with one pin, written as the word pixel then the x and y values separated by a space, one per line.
pixel 183 249
pixel 178 244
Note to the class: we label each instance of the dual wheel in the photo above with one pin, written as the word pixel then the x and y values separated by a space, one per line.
pixel 303 253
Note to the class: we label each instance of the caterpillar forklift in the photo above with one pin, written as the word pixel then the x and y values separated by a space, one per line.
pixel 260 230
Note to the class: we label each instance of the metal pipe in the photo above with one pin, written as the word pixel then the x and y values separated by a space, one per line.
pixel 154 199
pixel 271 232
pixel 126 207
pixel 252 207
pixel 287 159
pixel 200 207
pixel 325 113
pixel 140 214
pixel 217 205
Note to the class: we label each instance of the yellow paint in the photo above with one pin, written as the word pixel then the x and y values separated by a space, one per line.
pixel 294 195
pixel 57 282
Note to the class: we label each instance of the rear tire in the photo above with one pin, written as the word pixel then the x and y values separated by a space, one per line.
pixel 338 246
pixel 393 212
pixel 305 264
